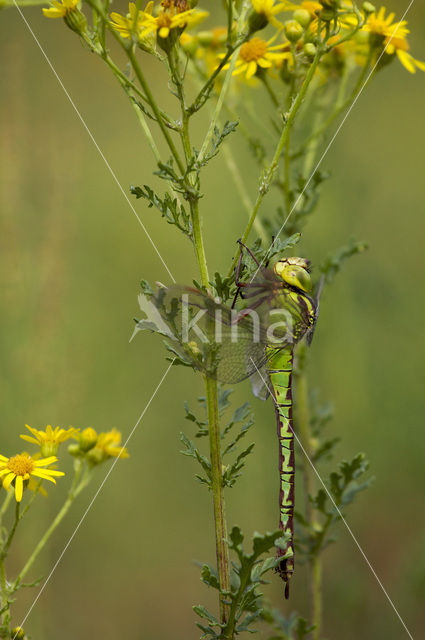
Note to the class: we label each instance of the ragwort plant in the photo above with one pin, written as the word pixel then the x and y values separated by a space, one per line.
pixel 23 475
pixel 311 59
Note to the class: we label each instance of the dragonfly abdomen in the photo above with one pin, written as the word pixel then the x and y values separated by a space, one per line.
pixel 280 373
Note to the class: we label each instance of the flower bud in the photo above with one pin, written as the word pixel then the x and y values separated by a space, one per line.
pixel 48 449
pixel 205 38
pixel 303 17
pixel 256 22
pixel 293 30
pixel 368 8
pixel 74 450
pixel 17 633
pixel 76 21
pixel 188 43
pixel 327 15
pixel 309 50
pixel 87 439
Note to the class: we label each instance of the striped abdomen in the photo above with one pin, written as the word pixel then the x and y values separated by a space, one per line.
pixel 279 369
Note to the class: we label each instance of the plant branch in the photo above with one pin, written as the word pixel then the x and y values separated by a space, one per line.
pixel 268 176
pixel 222 551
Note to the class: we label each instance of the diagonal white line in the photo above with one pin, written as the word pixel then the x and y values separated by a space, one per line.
pixel 83 517
pixel 294 206
pixel 102 155
pixel 339 512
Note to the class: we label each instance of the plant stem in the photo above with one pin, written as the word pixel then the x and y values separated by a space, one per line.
pixel 199 243
pixel 341 107
pixel 267 179
pixel 269 90
pixel 154 107
pixel 6 546
pixel 223 92
pixel 222 551
pixel 303 422
pixel 241 188
pixel 316 570
pixel 78 484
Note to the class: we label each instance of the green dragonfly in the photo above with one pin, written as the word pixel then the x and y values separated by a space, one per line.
pixel 255 337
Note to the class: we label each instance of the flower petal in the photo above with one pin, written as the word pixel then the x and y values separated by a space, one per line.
pixel 252 68
pixel 44 461
pixel 29 439
pixel 39 474
pixel 19 488
pixel 8 479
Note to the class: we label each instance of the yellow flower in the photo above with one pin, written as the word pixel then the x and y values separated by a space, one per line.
pixel 126 25
pixel 268 10
pixel 257 53
pixel 21 467
pixel 50 439
pixel 400 47
pixel 175 14
pixel 61 8
pixel 381 25
pixel 108 445
pixel 312 7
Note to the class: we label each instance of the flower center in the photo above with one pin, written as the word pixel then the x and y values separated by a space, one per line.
pixel 21 464
pixel 164 20
pixel 177 6
pixel 253 50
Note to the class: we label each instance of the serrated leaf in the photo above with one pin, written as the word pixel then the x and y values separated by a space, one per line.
pixel 333 264
pixel 202 612
pixel 209 576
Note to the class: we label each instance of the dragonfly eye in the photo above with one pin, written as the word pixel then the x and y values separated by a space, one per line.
pixel 293 274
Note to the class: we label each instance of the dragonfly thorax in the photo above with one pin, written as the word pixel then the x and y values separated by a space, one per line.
pixel 294 271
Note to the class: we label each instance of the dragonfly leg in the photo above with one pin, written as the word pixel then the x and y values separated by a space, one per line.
pixel 241 244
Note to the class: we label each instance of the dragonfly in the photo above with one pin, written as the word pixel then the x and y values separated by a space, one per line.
pixel 253 338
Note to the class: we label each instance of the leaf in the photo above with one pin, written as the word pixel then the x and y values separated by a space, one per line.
pixel 173 212
pixel 218 138
pixel 210 577
pixel 202 612
pixel 236 538
pixel 333 264
pixel 193 452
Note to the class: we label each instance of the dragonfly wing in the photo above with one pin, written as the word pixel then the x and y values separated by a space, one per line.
pixel 259 385
pixel 224 343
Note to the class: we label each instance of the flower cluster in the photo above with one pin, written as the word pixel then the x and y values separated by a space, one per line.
pixel 98 447
pixel 352 37
pixel 173 17
pixel 22 469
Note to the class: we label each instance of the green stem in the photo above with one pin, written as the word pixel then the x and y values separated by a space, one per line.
pixel 229 631
pixel 223 92
pixel 229 23
pixel 241 188
pixel 287 174
pixel 5 591
pixel 5 548
pixel 222 551
pixel 267 179
pixel 271 93
pixel 78 484
pixel 303 426
pixel 316 570
pixel 154 107
pixel 341 107
pixel 6 502
pixel 199 243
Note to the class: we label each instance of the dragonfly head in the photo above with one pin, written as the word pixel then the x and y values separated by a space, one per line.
pixel 295 272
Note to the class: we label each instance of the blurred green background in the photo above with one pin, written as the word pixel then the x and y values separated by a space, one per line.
pixel 72 255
